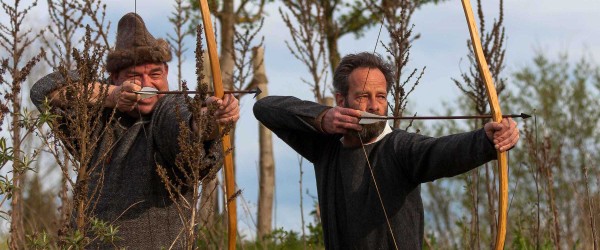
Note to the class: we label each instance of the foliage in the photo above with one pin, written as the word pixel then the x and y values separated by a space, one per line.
pixel 564 97
pixel 554 189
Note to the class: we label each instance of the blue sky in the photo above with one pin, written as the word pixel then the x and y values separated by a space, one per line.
pixel 551 26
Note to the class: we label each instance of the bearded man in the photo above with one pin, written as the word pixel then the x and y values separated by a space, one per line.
pixel 331 138
pixel 126 187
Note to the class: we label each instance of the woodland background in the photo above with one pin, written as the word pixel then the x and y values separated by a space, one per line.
pixel 542 54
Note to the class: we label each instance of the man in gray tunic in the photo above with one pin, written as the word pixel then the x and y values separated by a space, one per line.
pixel 131 194
pixel 331 138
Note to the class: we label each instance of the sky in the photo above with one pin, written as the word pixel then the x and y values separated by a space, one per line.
pixel 548 26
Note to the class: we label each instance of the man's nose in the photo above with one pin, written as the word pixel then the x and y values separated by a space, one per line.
pixel 372 105
pixel 145 81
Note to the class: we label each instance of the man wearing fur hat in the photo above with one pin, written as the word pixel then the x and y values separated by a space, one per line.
pixel 130 194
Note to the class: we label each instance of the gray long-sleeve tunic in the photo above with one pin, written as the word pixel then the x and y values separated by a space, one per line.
pixel 352 215
pixel 131 194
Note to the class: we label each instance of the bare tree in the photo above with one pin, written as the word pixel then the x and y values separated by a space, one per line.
pixel 308 41
pixel 66 29
pixel 266 160
pixel 179 18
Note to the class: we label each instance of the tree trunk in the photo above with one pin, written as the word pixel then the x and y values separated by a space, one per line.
pixel 227 63
pixel 332 35
pixel 227 58
pixel 267 164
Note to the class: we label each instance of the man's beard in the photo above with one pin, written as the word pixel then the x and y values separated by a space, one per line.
pixel 369 131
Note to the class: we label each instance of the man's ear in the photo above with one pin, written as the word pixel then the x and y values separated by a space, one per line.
pixel 339 99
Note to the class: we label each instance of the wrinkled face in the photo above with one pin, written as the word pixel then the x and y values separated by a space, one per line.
pixel 367 92
pixel 146 75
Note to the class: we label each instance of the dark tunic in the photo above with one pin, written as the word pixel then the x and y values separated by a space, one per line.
pixel 351 212
pixel 131 194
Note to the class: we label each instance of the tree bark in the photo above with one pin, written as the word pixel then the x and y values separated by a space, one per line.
pixel 266 161
pixel 227 63
pixel 332 34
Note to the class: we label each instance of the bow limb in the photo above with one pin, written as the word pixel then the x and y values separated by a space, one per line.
pixel 227 156
pixel 497 117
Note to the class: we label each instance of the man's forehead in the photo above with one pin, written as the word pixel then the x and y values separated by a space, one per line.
pixel 144 67
pixel 366 76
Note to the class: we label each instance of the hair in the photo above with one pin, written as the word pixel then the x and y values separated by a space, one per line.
pixel 361 60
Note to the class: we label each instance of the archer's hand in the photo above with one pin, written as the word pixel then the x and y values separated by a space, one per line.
pixel 504 134
pixel 340 120
pixel 123 97
pixel 228 110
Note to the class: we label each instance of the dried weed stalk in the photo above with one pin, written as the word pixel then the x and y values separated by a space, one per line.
pixel 471 83
pixel 397 18
pixel 544 157
pixel 74 142
pixel 197 162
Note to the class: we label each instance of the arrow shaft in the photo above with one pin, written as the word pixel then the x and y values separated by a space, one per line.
pixel 176 92
pixel 460 117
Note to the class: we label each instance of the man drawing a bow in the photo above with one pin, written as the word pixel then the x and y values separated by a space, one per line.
pixel 362 170
pixel 130 193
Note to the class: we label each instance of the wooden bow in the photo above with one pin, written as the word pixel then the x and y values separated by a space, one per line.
pixel 227 157
pixel 497 117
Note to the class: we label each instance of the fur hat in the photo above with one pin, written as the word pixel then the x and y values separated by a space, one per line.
pixel 135 45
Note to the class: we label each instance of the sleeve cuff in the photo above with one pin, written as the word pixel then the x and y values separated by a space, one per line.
pixel 318 122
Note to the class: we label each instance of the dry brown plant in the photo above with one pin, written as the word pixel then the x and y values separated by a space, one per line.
pixel 197 163
pixel 396 15
pixel 544 157
pixel 229 15
pixel 74 142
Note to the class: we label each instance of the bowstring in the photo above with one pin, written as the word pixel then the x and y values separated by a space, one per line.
pixel 387 219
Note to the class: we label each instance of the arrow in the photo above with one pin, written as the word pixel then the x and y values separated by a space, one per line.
pixel 147 92
pixel 368 118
